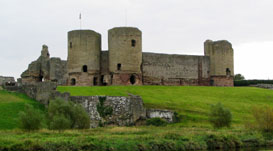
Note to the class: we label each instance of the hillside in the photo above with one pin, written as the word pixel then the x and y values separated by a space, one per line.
pixel 193 133
pixel 193 103
pixel 10 106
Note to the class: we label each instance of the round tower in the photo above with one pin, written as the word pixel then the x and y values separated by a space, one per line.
pixel 125 55
pixel 221 62
pixel 83 61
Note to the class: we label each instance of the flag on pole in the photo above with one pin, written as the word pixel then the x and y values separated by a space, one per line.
pixel 80 16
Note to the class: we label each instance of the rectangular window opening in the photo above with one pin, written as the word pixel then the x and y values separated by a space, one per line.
pixel 119 66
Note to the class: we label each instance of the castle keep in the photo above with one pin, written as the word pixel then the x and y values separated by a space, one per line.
pixel 125 63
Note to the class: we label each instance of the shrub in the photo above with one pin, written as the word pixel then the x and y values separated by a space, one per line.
pixel 220 116
pixel 82 119
pixel 104 111
pixel 263 118
pixel 60 122
pixel 251 82
pixel 67 115
pixel 156 121
pixel 30 119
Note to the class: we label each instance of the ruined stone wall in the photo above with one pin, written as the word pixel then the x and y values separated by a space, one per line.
pixel 42 92
pixel 126 110
pixel 4 80
pixel 45 69
pixel 164 69
pixel 58 71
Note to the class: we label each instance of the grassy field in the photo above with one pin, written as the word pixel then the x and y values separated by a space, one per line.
pixel 10 106
pixel 193 103
pixel 192 133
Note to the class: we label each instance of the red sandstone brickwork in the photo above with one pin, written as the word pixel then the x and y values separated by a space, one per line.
pixel 84 79
pixel 226 81
pixel 176 82
pixel 124 79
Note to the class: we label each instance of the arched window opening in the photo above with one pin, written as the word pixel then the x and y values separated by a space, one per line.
pixel 228 72
pixel 73 81
pixel 119 66
pixel 70 44
pixel 95 81
pixel 84 68
pixel 132 79
pixel 133 43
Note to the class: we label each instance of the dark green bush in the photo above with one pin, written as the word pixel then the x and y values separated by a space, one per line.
pixel 156 122
pixel 220 116
pixel 251 82
pixel 67 115
pixel 60 122
pixel 30 119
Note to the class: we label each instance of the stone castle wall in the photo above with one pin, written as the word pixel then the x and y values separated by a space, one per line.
pixel 164 69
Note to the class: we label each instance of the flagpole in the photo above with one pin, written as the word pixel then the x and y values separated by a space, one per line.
pixel 80 17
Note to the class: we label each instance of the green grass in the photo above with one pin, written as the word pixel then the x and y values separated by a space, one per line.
pixel 147 138
pixel 193 133
pixel 10 105
pixel 192 102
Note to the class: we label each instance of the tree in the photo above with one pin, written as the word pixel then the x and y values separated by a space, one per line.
pixel 239 77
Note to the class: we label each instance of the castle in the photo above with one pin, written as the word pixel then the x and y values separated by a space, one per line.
pixel 125 63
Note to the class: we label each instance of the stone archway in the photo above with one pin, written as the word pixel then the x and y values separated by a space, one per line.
pixel 73 81
pixel 133 79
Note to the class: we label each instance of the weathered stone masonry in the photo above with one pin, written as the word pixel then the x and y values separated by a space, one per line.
pixel 125 63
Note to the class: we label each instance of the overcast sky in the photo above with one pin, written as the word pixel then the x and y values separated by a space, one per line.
pixel 168 26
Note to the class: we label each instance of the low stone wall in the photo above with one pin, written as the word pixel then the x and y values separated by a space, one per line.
pixel 41 91
pixel 125 110
pixel 164 114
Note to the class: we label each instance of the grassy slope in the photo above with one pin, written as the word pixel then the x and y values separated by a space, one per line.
pixel 10 106
pixel 191 102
